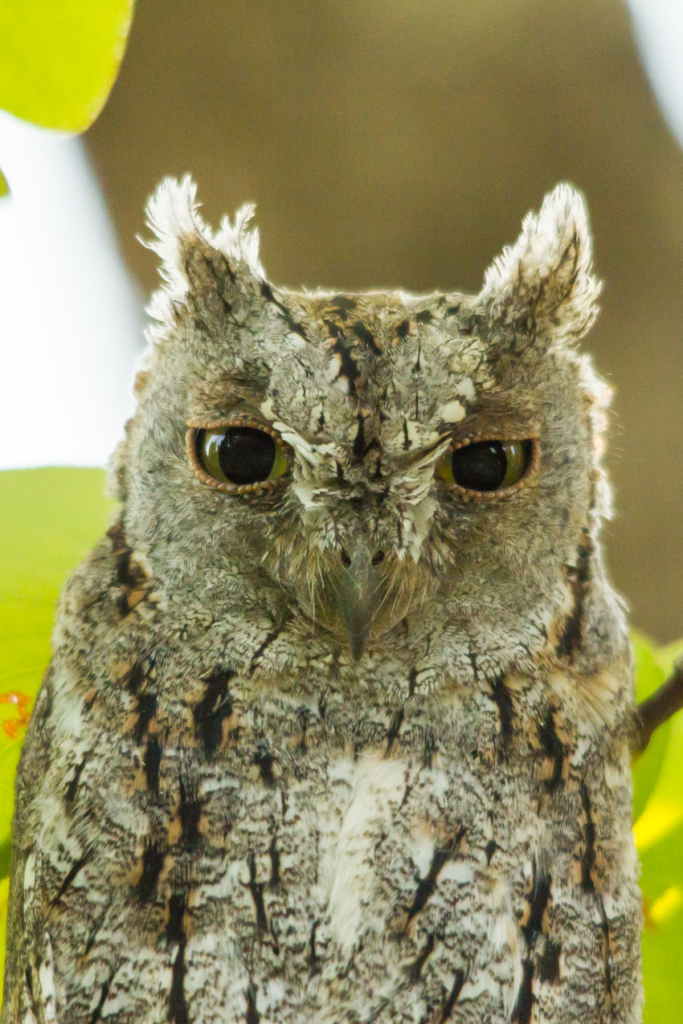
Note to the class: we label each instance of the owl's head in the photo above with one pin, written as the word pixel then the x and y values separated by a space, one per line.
pixel 368 463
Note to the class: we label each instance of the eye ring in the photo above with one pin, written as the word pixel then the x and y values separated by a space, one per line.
pixel 196 427
pixel 471 494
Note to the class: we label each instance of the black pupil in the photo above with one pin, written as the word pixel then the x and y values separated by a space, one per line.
pixel 481 466
pixel 246 455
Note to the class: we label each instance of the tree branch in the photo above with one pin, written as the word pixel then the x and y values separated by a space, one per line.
pixel 654 711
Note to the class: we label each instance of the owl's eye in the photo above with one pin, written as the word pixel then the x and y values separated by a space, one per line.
pixel 486 466
pixel 241 455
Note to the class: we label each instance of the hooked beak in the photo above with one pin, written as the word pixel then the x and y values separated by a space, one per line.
pixel 357 593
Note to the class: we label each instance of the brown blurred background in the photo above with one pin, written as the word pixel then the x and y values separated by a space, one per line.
pixel 399 143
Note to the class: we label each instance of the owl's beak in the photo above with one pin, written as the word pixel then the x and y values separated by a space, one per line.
pixel 357 594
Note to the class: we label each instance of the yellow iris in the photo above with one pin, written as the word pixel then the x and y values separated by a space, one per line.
pixel 486 466
pixel 241 455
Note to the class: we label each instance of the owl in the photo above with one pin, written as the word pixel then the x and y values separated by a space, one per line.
pixel 337 728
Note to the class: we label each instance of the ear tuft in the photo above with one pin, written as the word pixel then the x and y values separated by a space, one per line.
pixel 543 283
pixel 239 243
pixel 172 214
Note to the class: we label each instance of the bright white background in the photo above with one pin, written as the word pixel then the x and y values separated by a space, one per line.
pixel 70 315
pixel 658 26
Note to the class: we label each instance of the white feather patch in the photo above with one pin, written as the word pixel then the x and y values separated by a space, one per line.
pixel 452 412
pixel 46 978
pixel 30 872
pixel 378 788
pixel 484 983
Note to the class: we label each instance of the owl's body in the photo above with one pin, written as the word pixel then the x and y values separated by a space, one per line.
pixel 351 743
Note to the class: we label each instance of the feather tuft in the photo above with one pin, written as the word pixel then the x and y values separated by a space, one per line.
pixel 544 281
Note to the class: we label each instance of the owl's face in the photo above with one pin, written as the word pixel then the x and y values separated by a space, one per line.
pixel 364 463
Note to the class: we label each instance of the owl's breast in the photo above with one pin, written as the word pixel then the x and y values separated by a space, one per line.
pixel 468 864
pixel 233 859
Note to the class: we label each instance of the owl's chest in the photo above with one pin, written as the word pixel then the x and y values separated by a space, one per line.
pixel 325 858
pixel 435 822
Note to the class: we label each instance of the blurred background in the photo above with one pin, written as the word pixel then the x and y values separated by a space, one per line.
pixel 388 143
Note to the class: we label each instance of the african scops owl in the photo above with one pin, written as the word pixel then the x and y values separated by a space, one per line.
pixel 337 726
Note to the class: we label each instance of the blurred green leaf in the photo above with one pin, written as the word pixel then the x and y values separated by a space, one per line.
pixel 4 187
pixel 663 809
pixel 60 58
pixel 658 832
pixel 649 677
pixel 50 520
pixel 662 884
pixel 648 670
pixel 9 759
pixel 669 655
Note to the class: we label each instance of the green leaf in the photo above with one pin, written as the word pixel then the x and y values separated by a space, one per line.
pixel 60 58
pixel 649 675
pixel 669 655
pixel 4 187
pixel 662 885
pixel 658 832
pixel 51 518
pixel 662 810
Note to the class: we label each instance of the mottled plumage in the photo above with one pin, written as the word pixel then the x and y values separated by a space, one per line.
pixel 352 744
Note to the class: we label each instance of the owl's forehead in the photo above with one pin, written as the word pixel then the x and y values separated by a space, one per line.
pixel 405 367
